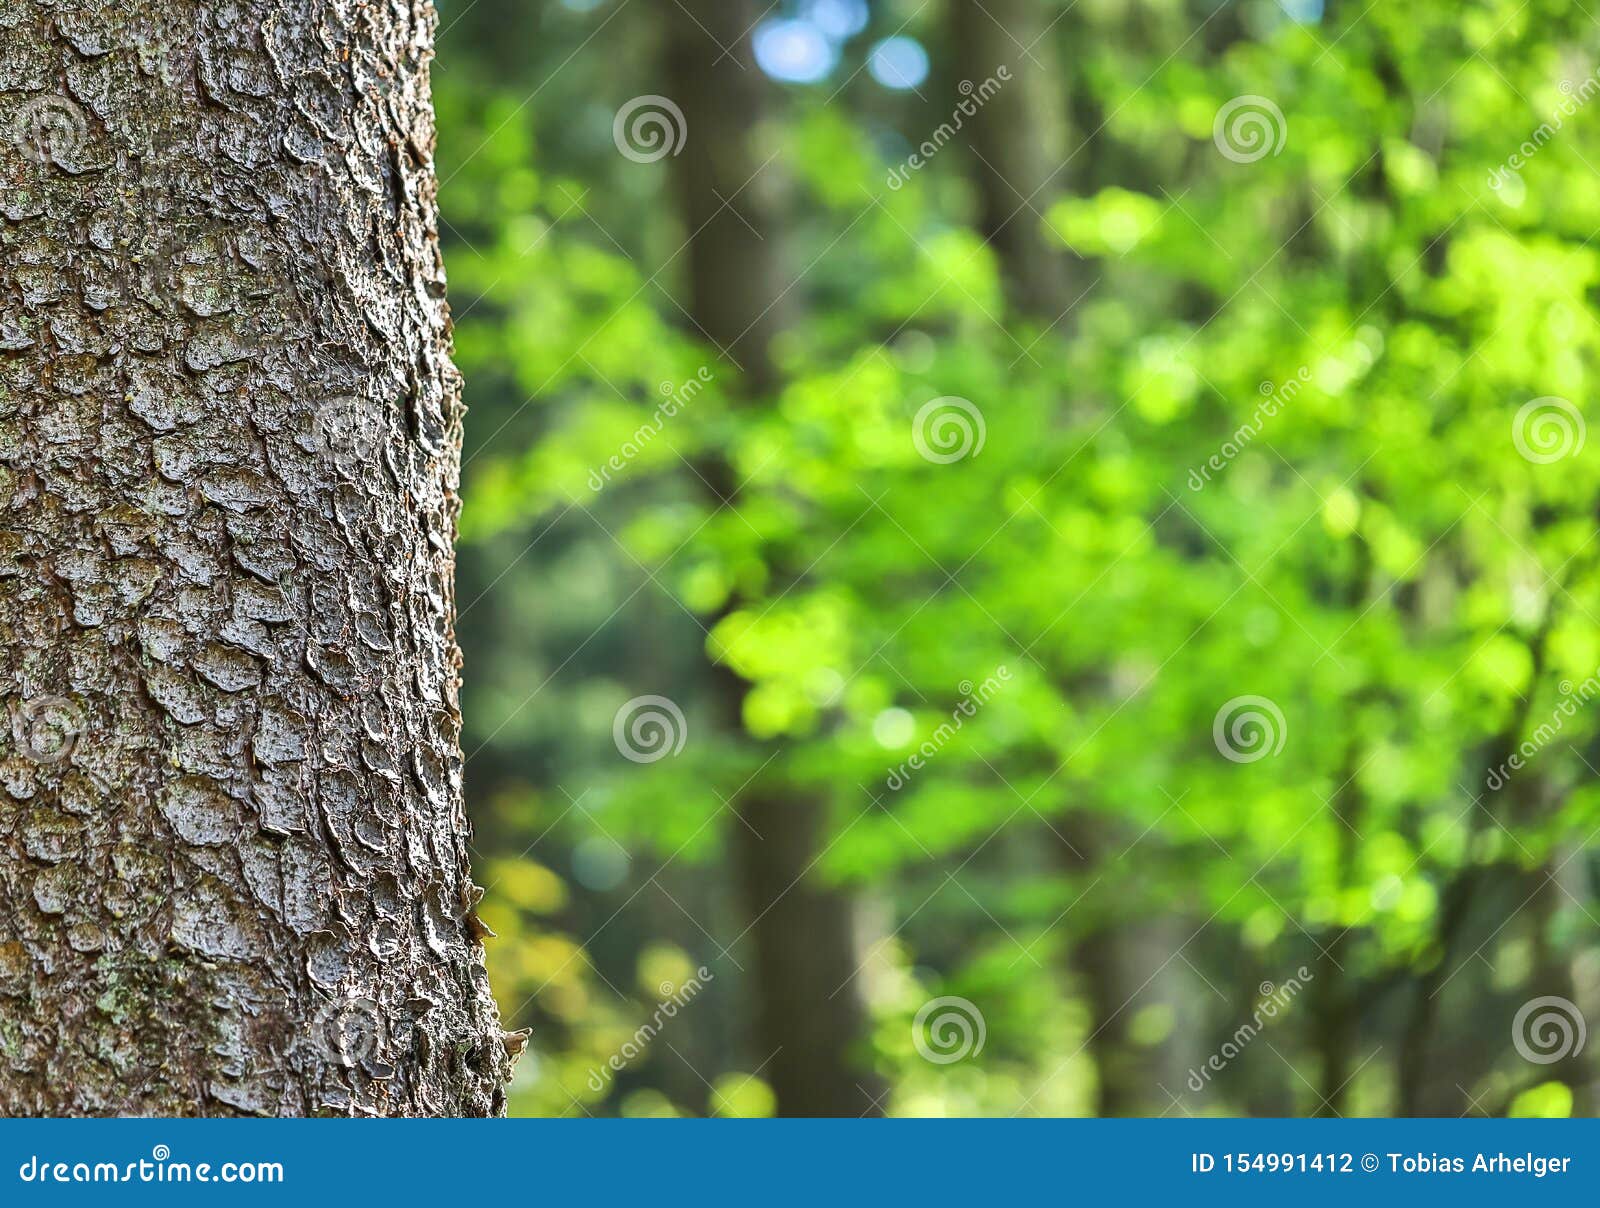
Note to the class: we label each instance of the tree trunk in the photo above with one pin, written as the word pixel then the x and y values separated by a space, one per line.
pixel 1547 901
pixel 234 877
pixel 1417 1094
pixel 1335 1007
pixel 1121 964
pixel 1017 152
pixel 1017 144
pixel 808 1009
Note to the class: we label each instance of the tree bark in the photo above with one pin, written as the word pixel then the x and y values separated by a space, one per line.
pixel 809 1014
pixel 234 867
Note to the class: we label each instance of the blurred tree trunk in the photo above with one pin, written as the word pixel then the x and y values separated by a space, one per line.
pixel 1017 143
pixel 809 1012
pixel 234 877
pixel 1550 905
pixel 1416 1092
pixel 1120 965
pixel 1336 992
pixel 1334 1010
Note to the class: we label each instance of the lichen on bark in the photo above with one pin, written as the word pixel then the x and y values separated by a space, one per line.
pixel 233 852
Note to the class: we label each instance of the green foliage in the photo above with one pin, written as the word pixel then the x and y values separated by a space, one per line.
pixel 1269 454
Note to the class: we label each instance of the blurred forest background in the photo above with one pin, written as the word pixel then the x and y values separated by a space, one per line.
pixel 1031 557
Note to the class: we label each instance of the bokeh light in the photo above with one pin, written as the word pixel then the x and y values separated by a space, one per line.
pixel 795 51
pixel 898 63
pixel 838 19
